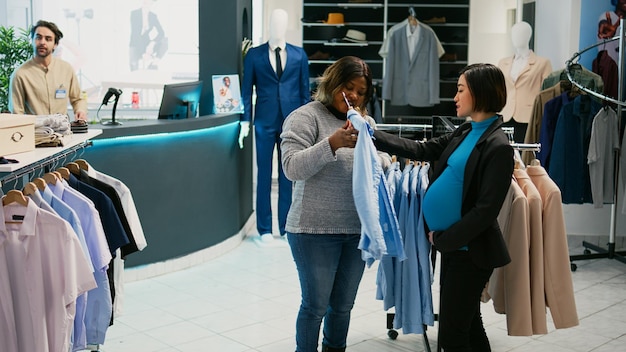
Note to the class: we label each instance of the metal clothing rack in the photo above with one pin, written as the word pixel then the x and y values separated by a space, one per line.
pixel 407 129
pixel 610 251
pixel 44 164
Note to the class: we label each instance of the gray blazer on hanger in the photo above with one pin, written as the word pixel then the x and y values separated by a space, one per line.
pixel 412 81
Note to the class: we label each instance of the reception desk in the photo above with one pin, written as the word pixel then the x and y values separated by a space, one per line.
pixel 191 183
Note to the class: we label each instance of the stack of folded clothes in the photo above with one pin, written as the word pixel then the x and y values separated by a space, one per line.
pixel 50 130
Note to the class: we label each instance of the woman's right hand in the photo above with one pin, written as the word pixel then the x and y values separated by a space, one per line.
pixel 344 137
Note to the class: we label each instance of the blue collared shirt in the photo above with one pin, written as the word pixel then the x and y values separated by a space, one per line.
pixel 380 234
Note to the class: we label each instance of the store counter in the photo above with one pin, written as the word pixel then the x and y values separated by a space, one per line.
pixel 190 181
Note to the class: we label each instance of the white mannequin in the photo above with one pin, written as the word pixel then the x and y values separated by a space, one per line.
pixel 278 30
pixel 520 36
pixel 278 27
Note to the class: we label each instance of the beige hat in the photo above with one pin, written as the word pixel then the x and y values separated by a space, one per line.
pixel 334 18
pixel 355 36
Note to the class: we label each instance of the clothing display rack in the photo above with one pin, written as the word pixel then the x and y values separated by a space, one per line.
pixel 399 128
pixel 610 251
pixel 45 164
pixel 410 129
pixel 45 160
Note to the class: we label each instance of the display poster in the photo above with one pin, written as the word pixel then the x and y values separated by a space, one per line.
pixel 226 94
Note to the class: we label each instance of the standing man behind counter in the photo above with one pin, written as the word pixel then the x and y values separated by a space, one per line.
pixel 280 73
pixel 44 84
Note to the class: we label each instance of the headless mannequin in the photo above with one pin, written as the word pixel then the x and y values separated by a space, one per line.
pixel 520 37
pixel 524 73
pixel 279 91
pixel 278 30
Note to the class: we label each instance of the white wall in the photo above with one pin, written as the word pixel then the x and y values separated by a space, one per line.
pixel 489 26
pixel 558 27
pixel 294 26
pixel 556 30
pixel 556 38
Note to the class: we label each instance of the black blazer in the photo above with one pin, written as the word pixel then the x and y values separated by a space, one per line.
pixel 487 179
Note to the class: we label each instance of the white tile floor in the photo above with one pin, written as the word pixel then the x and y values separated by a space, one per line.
pixel 247 300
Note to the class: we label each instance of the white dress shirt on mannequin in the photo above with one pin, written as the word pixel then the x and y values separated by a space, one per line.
pixel 524 72
pixel 520 36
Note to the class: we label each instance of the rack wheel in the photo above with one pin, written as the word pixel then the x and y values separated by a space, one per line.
pixel 573 266
pixel 392 334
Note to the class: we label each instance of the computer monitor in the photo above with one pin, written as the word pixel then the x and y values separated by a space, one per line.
pixel 180 100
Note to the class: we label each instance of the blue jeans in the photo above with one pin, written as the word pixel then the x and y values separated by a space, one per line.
pixel 330 270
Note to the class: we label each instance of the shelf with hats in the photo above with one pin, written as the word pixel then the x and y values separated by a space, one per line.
pixel 331 30
pixel 363 4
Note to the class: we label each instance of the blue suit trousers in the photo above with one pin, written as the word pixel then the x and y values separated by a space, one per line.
pixel 266 139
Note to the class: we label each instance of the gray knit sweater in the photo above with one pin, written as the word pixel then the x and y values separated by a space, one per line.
pixel 322 201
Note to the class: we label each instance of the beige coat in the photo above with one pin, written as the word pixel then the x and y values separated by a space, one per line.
pixel 509 286
pixel 559 289
pixel 537 296
pixel 521 93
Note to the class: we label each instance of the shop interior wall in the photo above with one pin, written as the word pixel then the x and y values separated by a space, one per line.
pixel 560 29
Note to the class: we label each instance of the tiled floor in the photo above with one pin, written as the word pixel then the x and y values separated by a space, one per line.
pixel 247 300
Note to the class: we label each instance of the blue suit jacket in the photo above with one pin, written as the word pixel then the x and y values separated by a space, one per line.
pixel 274 96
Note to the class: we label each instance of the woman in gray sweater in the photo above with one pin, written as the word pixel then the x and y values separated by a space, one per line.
pixel 323 226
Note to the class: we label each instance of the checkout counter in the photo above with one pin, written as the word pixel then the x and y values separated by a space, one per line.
pixel 190 181
pixel 191 184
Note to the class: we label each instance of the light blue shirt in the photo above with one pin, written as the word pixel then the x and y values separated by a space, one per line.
pixel 423 249
pixel 410 298
pixel 99 305
pixel 380 233
pixel 407 285
pixel 41 203
pixel 90 223
pixel 388 277
pixel 394 174
pixel 68 214
pixel 64 211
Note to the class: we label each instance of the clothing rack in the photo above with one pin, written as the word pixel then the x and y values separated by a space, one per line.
pixel 44 164
pixel 610 251
pixel 46 159
pixel 529 147
pixel 410 129
pixel 406 128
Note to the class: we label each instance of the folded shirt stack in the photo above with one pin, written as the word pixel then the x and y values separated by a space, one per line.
pixel 50 129
pixel 46 137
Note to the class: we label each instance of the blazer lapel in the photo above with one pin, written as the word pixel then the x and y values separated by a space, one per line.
pixel 264 50
pixel 292 60
pixel 506 65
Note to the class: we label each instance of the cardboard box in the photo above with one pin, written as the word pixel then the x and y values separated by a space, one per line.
pixel 17 133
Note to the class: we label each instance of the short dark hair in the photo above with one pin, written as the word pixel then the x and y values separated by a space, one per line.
pixel 338 74
pixel 51 26
pixel 487 86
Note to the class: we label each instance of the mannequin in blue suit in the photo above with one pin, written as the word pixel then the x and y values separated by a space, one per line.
pixel 275 99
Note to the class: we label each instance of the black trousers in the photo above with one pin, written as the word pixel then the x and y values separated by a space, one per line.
pixel 460 323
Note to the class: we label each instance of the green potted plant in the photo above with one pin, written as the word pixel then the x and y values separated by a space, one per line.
pixel 15 49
